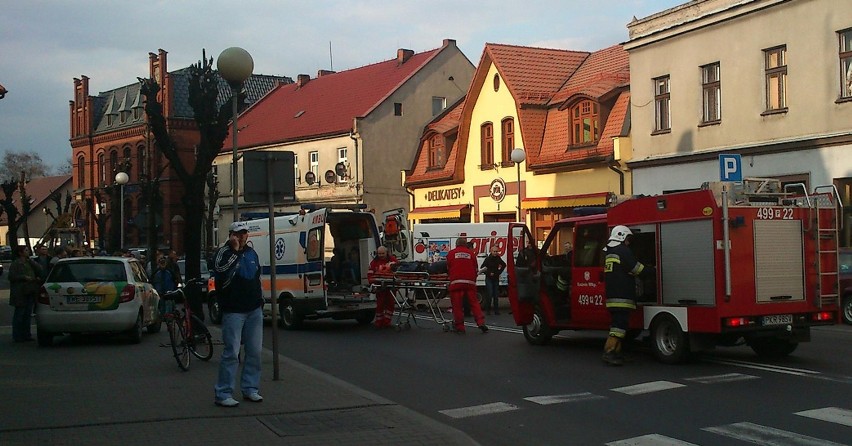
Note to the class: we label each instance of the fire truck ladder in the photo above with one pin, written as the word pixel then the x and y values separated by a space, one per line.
pixel 826 208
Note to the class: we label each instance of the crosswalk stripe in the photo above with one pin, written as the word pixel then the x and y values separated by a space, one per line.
pixel 650 440
pixel 830 414
pixel 653 386
pixel 757 434
pixel 726 378
pixel 544 400
pixel 483 409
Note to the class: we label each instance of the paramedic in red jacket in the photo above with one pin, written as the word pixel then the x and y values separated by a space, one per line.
pixel 384 300
pixel 463 268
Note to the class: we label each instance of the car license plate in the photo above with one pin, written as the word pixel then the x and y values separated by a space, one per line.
pixel 778 319
pixel 84 299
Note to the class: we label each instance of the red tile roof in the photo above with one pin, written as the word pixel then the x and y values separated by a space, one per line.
pixel 533 75
pixel 326 105
pixel 446 123
pixel 39 190
pixel 602 72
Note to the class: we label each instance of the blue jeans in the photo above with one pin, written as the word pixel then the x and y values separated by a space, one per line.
pixel 237 328
pixel 492 293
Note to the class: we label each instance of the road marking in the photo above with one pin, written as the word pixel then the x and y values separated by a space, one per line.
pixel 830 414
pixel 767 367
pixel 484 409
pixel 545 400
pixel 757 434
pixel 653 386
pixel 726 378
pixel 651 440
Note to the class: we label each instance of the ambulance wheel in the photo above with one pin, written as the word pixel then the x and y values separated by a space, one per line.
pixel 365 317
pixel 671 345
pixel 772 347
pixel 846 310
pixel 538 332
pixel 290 318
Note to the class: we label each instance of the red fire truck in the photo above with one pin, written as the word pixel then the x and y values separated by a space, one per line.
pixel 753 262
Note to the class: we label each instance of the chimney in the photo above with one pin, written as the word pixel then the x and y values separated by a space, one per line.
pixel 449 42
pixel 402 55
pixel 321 73
pixel 302 79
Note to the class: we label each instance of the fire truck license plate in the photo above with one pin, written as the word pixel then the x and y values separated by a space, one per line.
pixel 778 319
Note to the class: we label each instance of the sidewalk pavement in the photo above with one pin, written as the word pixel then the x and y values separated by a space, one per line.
pixel 96 391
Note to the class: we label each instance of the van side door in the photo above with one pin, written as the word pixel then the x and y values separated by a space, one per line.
pixel 313 268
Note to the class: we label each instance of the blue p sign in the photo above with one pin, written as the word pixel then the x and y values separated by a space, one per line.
pixel 730 167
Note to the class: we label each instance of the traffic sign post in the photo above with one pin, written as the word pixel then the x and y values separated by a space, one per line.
pixel 730 167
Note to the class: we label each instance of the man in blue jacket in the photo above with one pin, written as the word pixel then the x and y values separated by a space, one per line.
pixel 237 275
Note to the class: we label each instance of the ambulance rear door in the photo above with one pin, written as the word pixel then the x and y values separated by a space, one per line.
pixel 312 241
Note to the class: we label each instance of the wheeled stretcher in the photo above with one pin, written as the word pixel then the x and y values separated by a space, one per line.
pixel 409 287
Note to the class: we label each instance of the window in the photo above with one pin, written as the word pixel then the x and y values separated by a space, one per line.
pixel 487 137
pixel 314 250
pixel 507 140
pixel 140 161
pixel 437 150
pixel 661 104
pixel 584 123
pixel 113 161
pixel 438 105
pixel 314 160
pixel 126 160
pixel 846 63
pixel 102 167
pixel 81 172
pixel 342 158
pixel 397 108
pixel 296 170
pixel 776 78
pixel 496 81
pixel 712 86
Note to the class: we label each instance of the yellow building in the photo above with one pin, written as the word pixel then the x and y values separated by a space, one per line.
pixel 565 111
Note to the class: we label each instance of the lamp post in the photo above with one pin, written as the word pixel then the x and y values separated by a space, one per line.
pixel 518 156
pixel 235 65
pixel 121 179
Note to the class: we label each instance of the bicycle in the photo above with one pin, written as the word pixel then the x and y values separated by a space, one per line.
pixel 187 332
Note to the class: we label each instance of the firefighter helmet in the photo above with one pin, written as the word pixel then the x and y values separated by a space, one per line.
pixel 618 235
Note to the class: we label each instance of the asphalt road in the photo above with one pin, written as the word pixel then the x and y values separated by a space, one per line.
pixel 502 391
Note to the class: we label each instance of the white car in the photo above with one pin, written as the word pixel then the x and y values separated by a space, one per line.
pixel 97 294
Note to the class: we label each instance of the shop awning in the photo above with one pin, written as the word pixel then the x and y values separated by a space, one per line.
pixel 566 201
pixel 438 212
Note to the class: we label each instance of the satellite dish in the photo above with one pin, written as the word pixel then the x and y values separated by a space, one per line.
pixel 310 178
pixel 340 169
pixel 330 177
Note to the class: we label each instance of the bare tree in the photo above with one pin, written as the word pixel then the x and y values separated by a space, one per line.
pixel 13 163
pixel 65 168
pixel 213 128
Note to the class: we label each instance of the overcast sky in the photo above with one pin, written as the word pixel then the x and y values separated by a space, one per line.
pixel 44 45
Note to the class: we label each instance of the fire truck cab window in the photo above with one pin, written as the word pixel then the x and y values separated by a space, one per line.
pixel 589 245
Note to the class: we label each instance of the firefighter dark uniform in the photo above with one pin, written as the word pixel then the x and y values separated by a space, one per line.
pixel 621 268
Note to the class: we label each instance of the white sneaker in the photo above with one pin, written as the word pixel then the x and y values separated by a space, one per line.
pixel 253 397
pixel 227 402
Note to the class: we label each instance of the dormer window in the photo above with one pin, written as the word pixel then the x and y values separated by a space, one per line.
pixel 437 151
pixel 584 123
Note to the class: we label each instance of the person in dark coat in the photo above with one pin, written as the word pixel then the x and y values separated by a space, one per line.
pixel 25 279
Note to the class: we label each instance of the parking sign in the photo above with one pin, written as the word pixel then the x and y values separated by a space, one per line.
pixel 730 167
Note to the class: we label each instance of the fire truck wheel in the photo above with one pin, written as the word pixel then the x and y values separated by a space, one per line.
pixel 671 345
pixel 290 318
pixel 772 347
pixel 538 332
pixel 847 309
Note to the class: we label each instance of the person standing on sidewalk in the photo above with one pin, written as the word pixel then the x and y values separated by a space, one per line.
pixel 462 268
pixel 25 279
pixel 493 266
pixel 237 275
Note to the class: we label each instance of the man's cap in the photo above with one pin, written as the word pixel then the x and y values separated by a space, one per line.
pixel 238 226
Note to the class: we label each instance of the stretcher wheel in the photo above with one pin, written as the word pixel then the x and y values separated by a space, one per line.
pixel 446 327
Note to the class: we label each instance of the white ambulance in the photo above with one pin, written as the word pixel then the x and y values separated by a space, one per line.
pixel 322 256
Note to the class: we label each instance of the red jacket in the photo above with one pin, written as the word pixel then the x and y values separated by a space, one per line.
pixel 462 267
pixel 377 262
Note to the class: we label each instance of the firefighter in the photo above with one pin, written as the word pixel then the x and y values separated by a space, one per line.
pixel 463 269
pixel 621 267
pixel 384 300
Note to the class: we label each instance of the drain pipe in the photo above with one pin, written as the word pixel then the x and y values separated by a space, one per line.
pixel 620 173
pixel 357 165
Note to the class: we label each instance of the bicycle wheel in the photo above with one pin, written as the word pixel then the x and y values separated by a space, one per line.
pixel 180 346
pixel 202 341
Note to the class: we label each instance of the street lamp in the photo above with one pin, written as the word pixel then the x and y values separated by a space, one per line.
pixel 518 156
pixel 235 65
pixel 121 179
